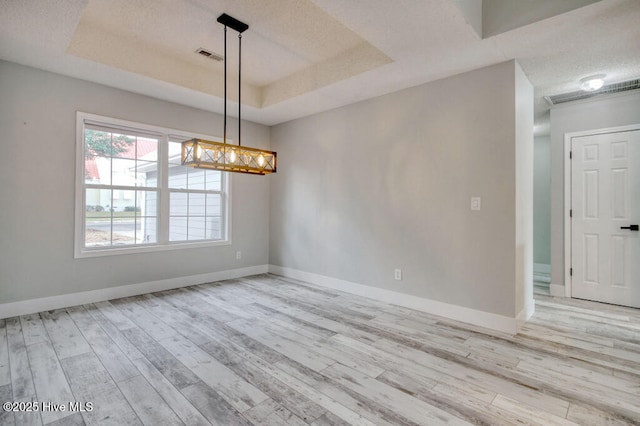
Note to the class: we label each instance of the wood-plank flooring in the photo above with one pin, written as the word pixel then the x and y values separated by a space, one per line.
pixel 266 350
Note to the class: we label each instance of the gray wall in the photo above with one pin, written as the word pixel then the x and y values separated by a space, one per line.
pixel 386 183
pixel 620 110
pixel 37 136
pixel 542 201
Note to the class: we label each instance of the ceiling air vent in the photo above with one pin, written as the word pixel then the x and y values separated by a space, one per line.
pixel 581 94
pixel 209 54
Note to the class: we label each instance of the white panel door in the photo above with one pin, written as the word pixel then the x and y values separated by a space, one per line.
pixel 605 199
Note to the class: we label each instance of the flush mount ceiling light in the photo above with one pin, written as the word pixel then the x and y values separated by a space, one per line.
pixel 592 83
pixel 206 154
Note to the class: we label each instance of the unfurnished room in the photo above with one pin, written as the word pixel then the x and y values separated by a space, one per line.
pixel 319 212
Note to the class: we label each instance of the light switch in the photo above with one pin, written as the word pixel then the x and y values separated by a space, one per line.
pixel 397 274
pixel 476 203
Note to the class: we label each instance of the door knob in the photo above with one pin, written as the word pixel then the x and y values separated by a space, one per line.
pixel 631 227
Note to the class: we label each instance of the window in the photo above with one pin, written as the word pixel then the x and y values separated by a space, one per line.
pixel 195 200
pixel 134 195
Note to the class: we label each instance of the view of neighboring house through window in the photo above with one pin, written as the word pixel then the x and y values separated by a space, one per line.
pixel 195 200
pixel 136 193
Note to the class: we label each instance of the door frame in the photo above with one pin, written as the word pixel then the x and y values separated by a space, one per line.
pixel 568 225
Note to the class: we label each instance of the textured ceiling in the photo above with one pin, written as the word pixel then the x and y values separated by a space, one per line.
pixel 146 38
pixel 305 56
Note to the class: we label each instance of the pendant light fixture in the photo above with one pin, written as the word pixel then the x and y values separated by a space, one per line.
pixel 206 154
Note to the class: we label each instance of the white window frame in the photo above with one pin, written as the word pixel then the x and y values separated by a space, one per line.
pixel 163 244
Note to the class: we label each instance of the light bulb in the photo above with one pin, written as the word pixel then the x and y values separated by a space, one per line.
pixel 260 160
pixel 198 152
pixel 592 83
pixel 232 156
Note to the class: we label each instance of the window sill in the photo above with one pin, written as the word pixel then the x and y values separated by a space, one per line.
pixel 98 252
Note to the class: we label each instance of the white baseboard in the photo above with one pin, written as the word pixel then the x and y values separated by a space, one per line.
pixel 31 306
pixel 539 278
pixel 526 313
pixel 459 313
pixel 556 290
pixel 542 273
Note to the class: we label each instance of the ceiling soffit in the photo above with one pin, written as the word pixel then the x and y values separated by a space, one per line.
pixel 500 16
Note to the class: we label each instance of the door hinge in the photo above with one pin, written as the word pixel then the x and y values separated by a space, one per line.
pixel 570 272
pixel 570 212
pixel 570 155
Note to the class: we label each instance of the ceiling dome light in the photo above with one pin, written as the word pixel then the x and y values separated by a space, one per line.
pixel 592 83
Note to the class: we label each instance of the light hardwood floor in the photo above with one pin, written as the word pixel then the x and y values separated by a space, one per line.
pixel 266 350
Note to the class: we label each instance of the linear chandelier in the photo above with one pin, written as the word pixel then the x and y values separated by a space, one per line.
pixel 206 154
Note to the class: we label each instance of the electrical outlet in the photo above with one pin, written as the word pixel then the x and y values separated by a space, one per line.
pixel 397 274
pixel 476 203
pixel 238 255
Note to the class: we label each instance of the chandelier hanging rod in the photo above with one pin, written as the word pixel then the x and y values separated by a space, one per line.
pixel 240 27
